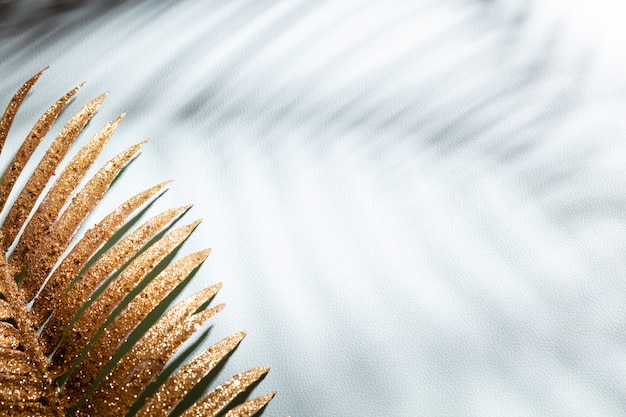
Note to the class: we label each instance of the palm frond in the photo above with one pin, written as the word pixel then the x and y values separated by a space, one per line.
pixel 71 320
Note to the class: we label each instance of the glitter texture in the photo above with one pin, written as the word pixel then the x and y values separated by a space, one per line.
pixel 15 362
pixel 167 397
pixel 250 407
pixel 46 168
pixel 217 399
pixel 29 145
pixel 48 299
pixel 14 105
pixel 29 409
pixel 5 310
pixel 126 321
pixel 102 269
pixel 87 300
pixel 28 382
pixel 59 236
pixel 101 308
pixel 9 336
pixel 148 357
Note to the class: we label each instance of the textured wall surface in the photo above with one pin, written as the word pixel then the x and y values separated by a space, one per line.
pixel 416 208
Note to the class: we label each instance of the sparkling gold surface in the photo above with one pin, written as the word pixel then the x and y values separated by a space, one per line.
pixel 14 104
pixel 167 397
pixel 41 242
pixel 27 410
pixel 69 179
pixel 101 308
pixel 48 299
pixel 27 338
pixel 15 362
pixel 114 258
pixel 121 387
pixel 27 386
pixel 57 195
pixel 5 310
pixel 46 168
pixel 28 381
pixel 115 334
pixel 217 399
pixel 250 407
pixel 9 336
pixel 29 145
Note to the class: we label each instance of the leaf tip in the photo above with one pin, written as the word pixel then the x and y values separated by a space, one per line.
pixel 217 308
pixel 101 97
pixel 204 254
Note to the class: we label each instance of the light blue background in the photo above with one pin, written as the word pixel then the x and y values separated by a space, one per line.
pixel 416 208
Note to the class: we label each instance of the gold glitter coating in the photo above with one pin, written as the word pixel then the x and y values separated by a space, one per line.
pixel 101 308
pixel 15 362
pixel 97 298
pixel 14 105
pixel 56 197
pixel 47 300
pixel 58 232
pixel 29 381
pixel 134 371
pixel 218 398
pixel 172 391
pixel 23 386
pixel 26 409
pixel 9 336
pixel 63 230
pixel 19 316
pixel 98 272
pixel 116 333
pixel 37 182
pixel 250 407
pixel 5 310
pixel 34 138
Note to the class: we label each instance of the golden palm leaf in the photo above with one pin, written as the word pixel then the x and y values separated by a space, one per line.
pixel 73 337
